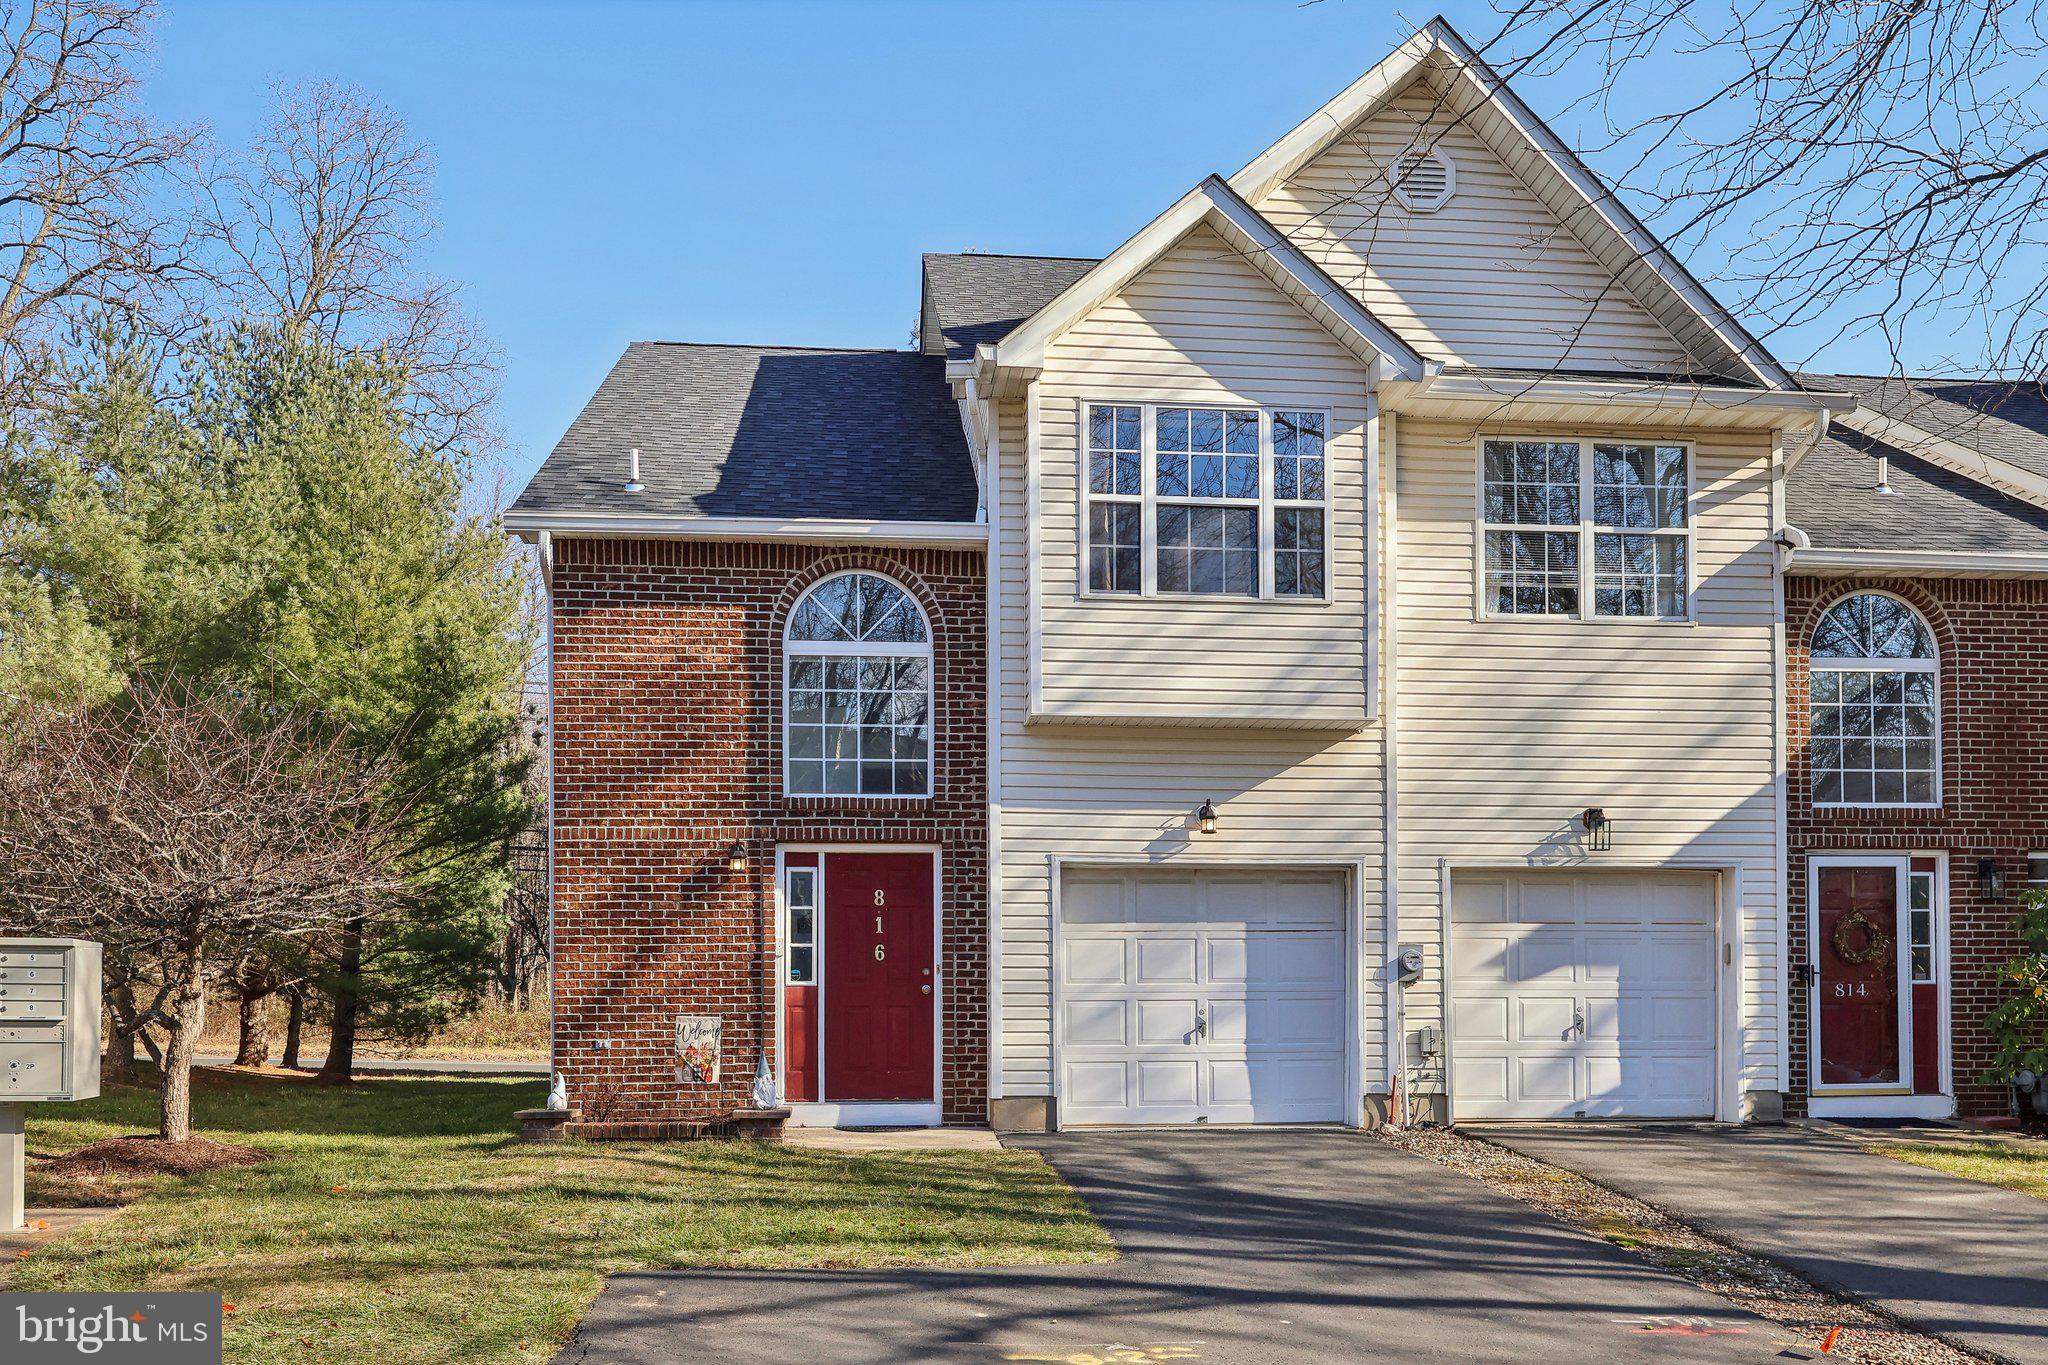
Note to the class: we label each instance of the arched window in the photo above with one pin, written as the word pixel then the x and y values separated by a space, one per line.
pixel 1876 705
pixel 859 691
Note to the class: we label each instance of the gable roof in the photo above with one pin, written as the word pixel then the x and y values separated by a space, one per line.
pixel 1832 496
pixel 1579 200
pixel 764 432
pixel 972 298
pixel 1268 249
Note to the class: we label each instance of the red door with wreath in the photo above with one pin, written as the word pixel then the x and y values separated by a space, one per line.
pixel 1856 950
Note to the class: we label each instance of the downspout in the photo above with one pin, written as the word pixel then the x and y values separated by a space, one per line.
pixel 1387 435
pixel 544 544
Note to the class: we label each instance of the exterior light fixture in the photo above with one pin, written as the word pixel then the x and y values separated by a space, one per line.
pixel 1599 829
pixel 736 857
pixel 1205 818
pixel 1991 877
pixel 633 484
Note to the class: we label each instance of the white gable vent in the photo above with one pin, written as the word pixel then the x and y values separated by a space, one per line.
pixel 1424 179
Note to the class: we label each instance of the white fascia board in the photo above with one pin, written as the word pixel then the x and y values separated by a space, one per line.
pixel 1989 470
pixel 1438 41
pixel 1023 350
pixel 812 530
pixel 1397 359
pixel 1608 209
pixel 1645 393
pixel 1309 138
pixel 1927 563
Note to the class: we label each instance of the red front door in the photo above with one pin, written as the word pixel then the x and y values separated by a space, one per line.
pixel 1857 946
pixel 879 985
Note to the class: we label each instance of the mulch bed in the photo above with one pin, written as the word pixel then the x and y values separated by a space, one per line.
pixel 1768 1290
pixel 144 1155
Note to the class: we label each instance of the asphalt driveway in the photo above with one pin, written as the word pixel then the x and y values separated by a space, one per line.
pixel 1238 1246
pixel 1957 1258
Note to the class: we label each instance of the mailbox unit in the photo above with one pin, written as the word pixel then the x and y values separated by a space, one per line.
pixel 49 1019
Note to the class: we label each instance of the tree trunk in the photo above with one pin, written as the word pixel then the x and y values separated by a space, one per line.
pixel 294 1021
pixel 121 1067
pixel 253 1049
pixel 188 1019
pixel 339 1068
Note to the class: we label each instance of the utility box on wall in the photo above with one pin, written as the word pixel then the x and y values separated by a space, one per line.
pixel 49 1019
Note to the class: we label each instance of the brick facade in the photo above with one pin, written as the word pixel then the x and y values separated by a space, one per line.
pixel 667 749
pixel 1993 638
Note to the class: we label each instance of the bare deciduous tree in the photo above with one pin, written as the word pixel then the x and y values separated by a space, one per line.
pixel 180 828
pixel 86 218
pixel 1853 166
pixel 319 227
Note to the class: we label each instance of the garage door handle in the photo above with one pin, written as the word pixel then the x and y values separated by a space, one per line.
pixel 1201 1022
pixel 1578 1022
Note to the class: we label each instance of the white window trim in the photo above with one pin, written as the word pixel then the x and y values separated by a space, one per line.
pixel 1932 666
pixel 1148 501
pixel 1586 531
pixel 792 650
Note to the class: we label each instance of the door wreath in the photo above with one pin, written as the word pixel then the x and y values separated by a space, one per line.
pixel 1875 944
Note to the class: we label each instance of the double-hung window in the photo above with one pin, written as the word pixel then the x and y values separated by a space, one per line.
pixel 1187 500
pixel 1571 524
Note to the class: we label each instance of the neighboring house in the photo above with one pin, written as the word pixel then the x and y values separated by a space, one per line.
pixel 1373 702
pixel 1916 614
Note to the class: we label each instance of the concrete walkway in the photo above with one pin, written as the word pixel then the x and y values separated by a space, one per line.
pixel 892 1139
pixel 1240 1246
pixel 1957 1258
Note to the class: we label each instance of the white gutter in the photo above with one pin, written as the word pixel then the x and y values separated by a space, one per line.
pixel 1648 393
pixel 811 530
pixel 1935 563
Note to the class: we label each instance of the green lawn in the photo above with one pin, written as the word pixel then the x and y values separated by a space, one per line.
pixel 1995 1163
pixel 398 1222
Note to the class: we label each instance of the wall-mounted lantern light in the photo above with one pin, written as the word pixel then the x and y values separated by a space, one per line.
pixel 1991 877
pixel 1599 829
pixel 1205 818
pixel 736 857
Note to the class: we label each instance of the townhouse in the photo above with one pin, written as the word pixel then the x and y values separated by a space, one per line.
pixel 1324 661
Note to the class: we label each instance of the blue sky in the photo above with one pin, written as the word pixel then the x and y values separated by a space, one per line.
pixel 770 172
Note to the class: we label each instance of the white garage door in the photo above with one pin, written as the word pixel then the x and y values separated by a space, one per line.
pixel 1212 997
pixel 1583 995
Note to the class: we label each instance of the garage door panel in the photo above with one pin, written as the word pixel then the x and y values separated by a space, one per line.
pixel 1545 1078
pixel 1479 900
pixel 1482 957
pixel 1166 961
pixel 1106 1084
pixel 1547 902
pixel 1173 1083
pixel 1165 1021
pixel 1679 1018
pixel 1098 1023
pixel 1547 957
pixel 1480 1018
pixel 1612 1011
pixel 1684 959
pixel 1094 900
pixel 1092 961
pixel 1308 1020
pixel 1543 1019
pixel 1259 958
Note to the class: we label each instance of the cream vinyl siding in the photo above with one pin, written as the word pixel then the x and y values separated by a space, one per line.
pixel 1491 278
pixel 1510 727
pixel 1201 326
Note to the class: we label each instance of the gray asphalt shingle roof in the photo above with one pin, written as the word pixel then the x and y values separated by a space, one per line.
pixel 765 431
pixel 2005 418
pixel 976 298
pixel 1831 495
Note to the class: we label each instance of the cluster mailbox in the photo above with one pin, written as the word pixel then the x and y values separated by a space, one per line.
pixel 49 1019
